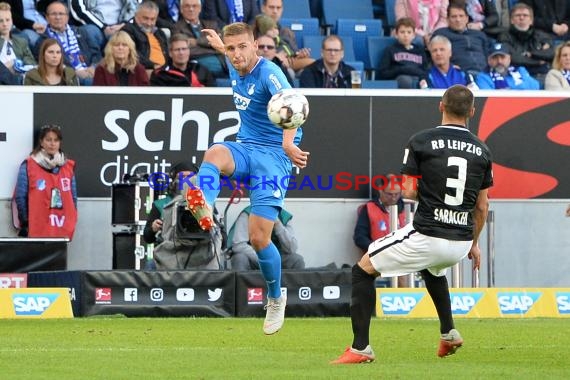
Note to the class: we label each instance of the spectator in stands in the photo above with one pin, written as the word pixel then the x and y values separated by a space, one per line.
pixel 404 61
pixel 531 48
pixel 28 19
pixel 373 221
pixel 51 70
pixel 224 14
pixel 15 55
pixel 551 16
pixel 151 42
pixel 558 78
pixel 179 242
pixel 483 16
pixel 120 65
pixel 266 48
pixel 168 13
pixel 78 52
pixel 274 9
pixel 470 46
pixel 329 71
pixel 294 60
pixel 243 256
pixel 428 15
pixel 180 71
pixel 502 75
pixel 191 24
pixel 442 73
pixel 107 16
pixel 45 187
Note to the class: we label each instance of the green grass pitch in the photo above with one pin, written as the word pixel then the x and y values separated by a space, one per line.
pixel 235 348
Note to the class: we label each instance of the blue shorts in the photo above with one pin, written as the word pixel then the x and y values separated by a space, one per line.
pixel 263 170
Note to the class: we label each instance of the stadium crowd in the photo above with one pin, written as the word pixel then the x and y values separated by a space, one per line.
pixel 534 33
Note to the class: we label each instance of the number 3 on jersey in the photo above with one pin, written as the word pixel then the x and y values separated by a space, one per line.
pixel 456 183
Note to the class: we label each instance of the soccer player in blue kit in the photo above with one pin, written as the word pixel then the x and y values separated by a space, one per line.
pixel 262 153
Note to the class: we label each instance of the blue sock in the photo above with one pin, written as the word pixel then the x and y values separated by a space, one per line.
pixel 209 181
pixel 270 264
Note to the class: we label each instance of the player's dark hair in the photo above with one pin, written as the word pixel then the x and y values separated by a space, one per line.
pixel 238 28
pixel 458 101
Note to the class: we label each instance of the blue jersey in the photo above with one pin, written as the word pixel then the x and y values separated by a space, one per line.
pixel 251 94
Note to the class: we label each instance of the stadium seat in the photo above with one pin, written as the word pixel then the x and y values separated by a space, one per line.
pixel 357 65
pixel 359 31
pixel 353 9
pixel 390 13
pixel 296 9
pixel 315 43
pixel 223 82
pixel 379 84
pixel 376 47
pixel 302 27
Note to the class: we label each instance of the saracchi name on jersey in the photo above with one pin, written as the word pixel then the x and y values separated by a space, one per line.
pixel 459 218
pixel 456 145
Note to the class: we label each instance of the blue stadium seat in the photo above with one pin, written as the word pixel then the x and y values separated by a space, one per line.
pixel 390 13
pixel 223 82
pixel 376 47
pixel 302 27
pixel 315 43
pixel 296 9
pixel 353 9
pixel 359 31
pixel 379 84
pixel 357 65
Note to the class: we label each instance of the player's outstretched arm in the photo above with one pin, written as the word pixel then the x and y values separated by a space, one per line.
pixel 298 157
pixel 214 40
pixel 479 217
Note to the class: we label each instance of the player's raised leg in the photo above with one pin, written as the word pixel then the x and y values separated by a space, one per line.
pixel 201 197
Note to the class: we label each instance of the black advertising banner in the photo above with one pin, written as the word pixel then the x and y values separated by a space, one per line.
pixel 350 138
pixel 22 255
pixel 61 279
pixel 160 293
pixel 309 293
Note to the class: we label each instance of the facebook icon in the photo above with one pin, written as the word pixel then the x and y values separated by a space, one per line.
pixel 131 294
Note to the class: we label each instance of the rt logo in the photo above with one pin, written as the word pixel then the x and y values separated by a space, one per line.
pixel 399 303
pixel 517 302
pixel 32 304
pixel 563 302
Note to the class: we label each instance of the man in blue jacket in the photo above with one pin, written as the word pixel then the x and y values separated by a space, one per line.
pixel 502 75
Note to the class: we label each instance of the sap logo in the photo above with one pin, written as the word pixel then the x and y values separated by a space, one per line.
pixel 462 303
pixel 32 304
pixel 563 302
pixel 517 302
pixel 399 303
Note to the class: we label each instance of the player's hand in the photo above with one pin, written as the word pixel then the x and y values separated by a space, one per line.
pixel 298 157
pixel 214 39
pixel 475 256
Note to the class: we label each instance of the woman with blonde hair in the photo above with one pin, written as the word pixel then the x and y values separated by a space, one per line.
pixel 120 66
pixel 50 70
pixel 558 78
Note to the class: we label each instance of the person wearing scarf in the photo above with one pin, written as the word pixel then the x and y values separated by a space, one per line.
pixel 503 76
pixel 46 194
pixel 558 78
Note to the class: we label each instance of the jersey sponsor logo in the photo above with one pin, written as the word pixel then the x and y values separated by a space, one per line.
pixel 563 302
pixel 33 304
pixel 399 303
pixel 463 303
pixel 517 302
pixel 450 217
pixel 241 102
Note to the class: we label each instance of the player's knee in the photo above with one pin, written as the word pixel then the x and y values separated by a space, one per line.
pixel 366 265
pixel 258 240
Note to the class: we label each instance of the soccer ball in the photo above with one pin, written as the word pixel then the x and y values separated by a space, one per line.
pixel 288 109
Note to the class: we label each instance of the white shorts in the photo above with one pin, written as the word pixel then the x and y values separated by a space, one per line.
pixel 407 251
